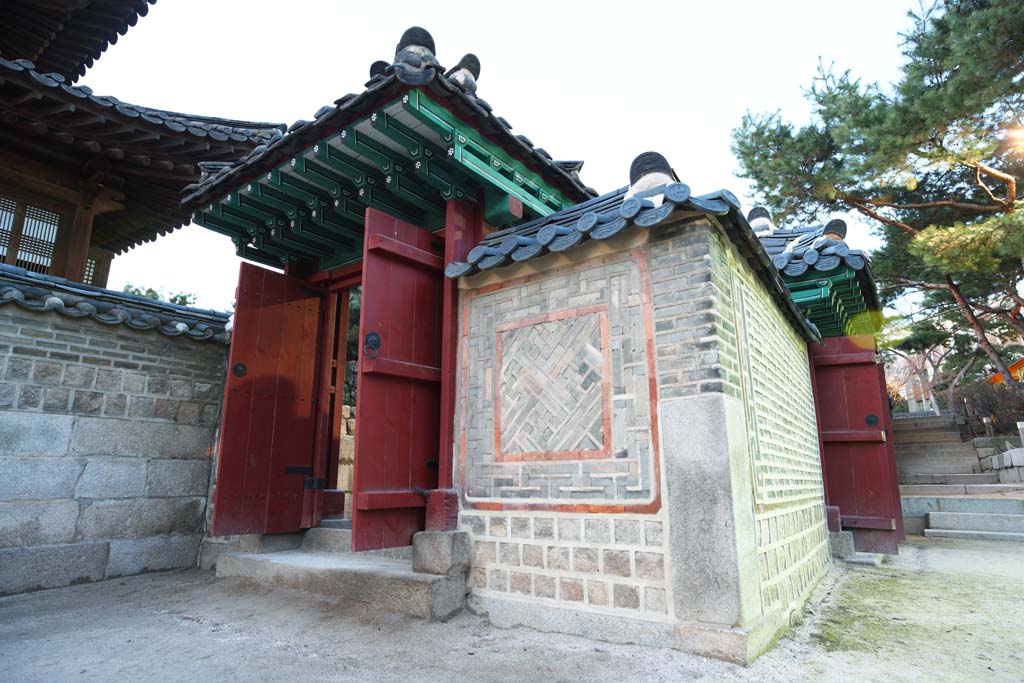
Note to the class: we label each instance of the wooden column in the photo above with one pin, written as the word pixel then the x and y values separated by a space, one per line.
pixel 72 248
pixel 101 271
pixel 463 229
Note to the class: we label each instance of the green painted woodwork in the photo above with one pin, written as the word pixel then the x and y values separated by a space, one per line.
pixel 470 149
pixel 407 159
pixel 833 301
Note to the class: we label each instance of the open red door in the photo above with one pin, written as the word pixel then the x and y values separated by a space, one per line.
pixel 268 427
pixel 398 389
pixel 858 461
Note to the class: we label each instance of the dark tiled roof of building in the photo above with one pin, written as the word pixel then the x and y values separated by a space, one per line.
pixel 41 293
pixel 389 83
pixel 65 36
pixel 809 249
pixel 147 154
pixel 611 214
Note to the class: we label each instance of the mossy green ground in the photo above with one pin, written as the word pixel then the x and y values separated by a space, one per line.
pixel 952 610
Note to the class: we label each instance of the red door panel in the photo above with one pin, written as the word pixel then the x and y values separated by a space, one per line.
pixel 398 389
pixel 858 460
pixel 267 431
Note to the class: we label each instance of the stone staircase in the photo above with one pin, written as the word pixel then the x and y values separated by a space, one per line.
pixel 992 518
pixel 943 489
pixel 933 460
pixel 321 561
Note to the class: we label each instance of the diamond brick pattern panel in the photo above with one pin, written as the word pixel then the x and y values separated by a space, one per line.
pixel 552 394
pixel 555 387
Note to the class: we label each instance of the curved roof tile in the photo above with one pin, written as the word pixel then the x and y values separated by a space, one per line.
pixel 41 293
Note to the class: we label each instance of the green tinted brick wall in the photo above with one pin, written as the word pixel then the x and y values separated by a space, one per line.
pixel 763 362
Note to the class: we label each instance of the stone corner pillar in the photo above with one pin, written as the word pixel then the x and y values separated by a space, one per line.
pixel 712 537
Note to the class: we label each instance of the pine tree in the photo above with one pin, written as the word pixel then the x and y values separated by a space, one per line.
pixel 932 161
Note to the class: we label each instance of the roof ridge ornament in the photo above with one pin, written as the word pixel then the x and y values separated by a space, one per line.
pixel 650 170
pixel 465 73
pixel 415 63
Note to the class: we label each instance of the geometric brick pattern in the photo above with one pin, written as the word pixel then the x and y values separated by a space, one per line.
pixel 768 366
pixel 784 448
pixel 552 394
pixel 594 563
pixel 555 389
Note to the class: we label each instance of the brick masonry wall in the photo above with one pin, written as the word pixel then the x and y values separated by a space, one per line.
pixel 558 467
pixel 106 437
pixel 714 331
pixel 763 361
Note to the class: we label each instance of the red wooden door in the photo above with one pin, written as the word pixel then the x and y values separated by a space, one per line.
pixel 268 425
pixel 398 390
pixel 858 460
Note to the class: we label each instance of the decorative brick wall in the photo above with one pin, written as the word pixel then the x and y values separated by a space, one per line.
pixel 715 529
pixel 558 465
pixel 106 437
pixel 588 562
pixel 764 362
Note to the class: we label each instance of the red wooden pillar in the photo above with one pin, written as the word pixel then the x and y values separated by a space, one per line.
pixel 463 230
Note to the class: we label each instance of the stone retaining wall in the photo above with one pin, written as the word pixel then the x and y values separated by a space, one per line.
pixel 106 437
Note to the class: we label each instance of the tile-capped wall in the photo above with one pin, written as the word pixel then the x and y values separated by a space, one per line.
pixel 106 438
pixel 556 389
pixel 600 563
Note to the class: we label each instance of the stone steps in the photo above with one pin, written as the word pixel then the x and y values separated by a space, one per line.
pixel 937 449
pixel 976 521
pixel 388 584
pixel 917 508
pixel 974 535
pixel 328 540
pixel 908 436
pixel 925 423
pixel 934 468
pixel 957 489
pixel 948 478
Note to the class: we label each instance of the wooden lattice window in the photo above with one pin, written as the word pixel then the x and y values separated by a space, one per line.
pixel 90 271
pixel 28 234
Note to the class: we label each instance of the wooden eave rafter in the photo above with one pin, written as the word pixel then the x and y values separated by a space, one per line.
pixel 407 157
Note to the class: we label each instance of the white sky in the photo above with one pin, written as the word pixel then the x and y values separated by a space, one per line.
pixel 585 80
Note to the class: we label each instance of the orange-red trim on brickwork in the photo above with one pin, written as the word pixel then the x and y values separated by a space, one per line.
pixel 640 258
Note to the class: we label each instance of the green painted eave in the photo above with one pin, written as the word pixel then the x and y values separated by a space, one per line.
pixel 407 158
pixel 834 302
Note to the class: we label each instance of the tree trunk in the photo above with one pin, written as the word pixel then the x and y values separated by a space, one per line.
pixel 955 382
pixel 983 340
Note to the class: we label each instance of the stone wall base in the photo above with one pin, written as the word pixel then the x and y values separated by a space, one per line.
pixel 509 613
pixel 32 568
pixel 732 644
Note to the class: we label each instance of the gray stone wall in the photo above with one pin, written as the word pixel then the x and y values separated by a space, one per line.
pixel 106 436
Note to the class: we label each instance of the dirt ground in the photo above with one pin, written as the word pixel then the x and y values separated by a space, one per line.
pixel 945 610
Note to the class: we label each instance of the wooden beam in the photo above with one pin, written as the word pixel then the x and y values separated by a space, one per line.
pixel 102 259
pixel 15 239
pixel 79 237
pixel 463 228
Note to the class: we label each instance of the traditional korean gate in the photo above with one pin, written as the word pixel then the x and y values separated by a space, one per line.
pixel 267 432
pixel 859 464
pixel 398 390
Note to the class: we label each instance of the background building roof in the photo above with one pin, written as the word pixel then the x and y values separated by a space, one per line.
pixel 65 36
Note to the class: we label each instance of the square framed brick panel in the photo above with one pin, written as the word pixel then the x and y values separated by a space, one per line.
pixel 553 393
pixel 557 387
